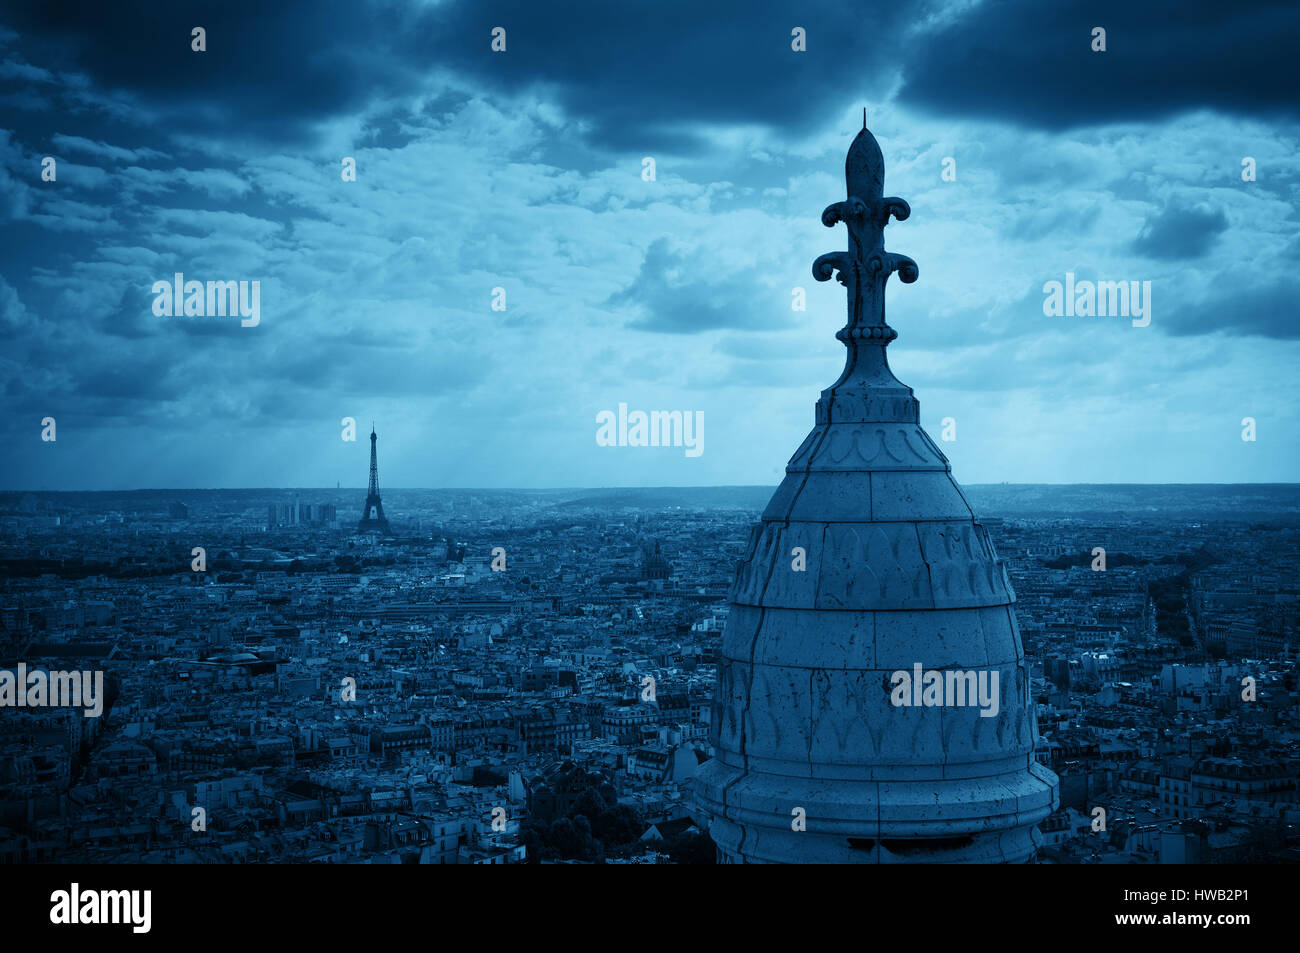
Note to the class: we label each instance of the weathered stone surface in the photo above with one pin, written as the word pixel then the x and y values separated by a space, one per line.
pixel 900 495
pixel 894 572
pixel 857 447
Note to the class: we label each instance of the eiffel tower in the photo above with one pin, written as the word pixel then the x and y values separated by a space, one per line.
pixel 377 523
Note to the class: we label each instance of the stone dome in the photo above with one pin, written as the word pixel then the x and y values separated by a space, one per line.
pixel 869 563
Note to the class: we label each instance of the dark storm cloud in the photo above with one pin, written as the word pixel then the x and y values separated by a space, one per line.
pixel 659 73
pixel 107 380
pixel 118 381
pixel 1255 305
pixel 276 68
pixel 1031 62
pixel 269 68
pixel 639 71
pixel 1180 231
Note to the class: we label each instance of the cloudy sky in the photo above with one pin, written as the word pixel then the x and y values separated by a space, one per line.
pixel 522 170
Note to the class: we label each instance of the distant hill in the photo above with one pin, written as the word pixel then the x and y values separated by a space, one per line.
pixel 1242 501
pixel 690 498
pixel 1235 500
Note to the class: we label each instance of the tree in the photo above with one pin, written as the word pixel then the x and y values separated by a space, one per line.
pixel 692 847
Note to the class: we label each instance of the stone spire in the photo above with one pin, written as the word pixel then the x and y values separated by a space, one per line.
pixel 867 390
pixel 869 564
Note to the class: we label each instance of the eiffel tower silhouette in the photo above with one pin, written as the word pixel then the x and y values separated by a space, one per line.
pixel 377 523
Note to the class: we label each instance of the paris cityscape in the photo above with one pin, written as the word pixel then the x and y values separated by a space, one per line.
pixel 522 690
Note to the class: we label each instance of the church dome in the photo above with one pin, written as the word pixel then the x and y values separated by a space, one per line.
pixel 873 702
pixel 654 565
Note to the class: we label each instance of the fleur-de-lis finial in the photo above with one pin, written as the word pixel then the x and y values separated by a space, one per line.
pixel 867 390
pixel 864 268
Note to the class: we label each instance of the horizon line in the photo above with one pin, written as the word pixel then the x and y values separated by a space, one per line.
pixel 570 489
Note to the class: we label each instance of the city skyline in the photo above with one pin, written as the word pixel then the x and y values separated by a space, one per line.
pixel 511 637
